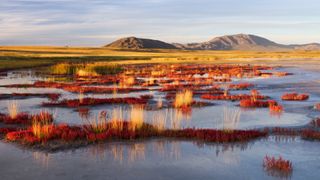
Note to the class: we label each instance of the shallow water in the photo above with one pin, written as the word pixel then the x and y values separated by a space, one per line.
pixel 296 113
pixel 163 159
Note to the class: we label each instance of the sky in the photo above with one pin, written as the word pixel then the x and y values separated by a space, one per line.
pixel 99 22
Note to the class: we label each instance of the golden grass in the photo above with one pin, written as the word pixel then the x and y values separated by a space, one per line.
pixel 127 81
pixel 86 73
pixel 183 99
pixel 98 124
pixel 136 117
pixel 158 56
pixel 13 109
pixel 81 97
pixel 117 118
pixel 40 130
pixel 42 125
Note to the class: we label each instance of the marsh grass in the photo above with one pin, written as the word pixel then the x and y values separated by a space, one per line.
pixel 97 124
pixel 183 99
pixel 13 109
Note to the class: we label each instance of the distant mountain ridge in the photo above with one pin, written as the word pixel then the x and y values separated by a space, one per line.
pixel 229 42
pixel 139 43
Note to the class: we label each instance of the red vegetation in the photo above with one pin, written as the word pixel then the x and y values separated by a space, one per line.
pixel 51 96
pixel 284 131
pixel 310 134
pixel 236 97
pixel 95 101
pixel 146 96
pixel 278 167
pixel 75 88
pixel 241 86
pixel 281 74
pixel 70 133
pixel 249 103
pixel 275 108
pixel 295 97
pixel 25 118
pixel 21 118
pixel 86 89
pixel 6 130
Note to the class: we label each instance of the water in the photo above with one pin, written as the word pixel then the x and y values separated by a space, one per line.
pixel 164 159
pixel 161 159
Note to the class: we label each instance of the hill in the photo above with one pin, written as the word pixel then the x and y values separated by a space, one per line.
pixel 139 43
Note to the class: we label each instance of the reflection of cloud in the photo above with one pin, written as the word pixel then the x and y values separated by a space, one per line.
pixel 74 21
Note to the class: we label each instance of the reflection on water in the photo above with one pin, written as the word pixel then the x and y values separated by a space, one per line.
pixel 42 158
pixel 132 152
pixel 161 158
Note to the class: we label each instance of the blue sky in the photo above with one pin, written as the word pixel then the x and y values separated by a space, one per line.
pixel 97 22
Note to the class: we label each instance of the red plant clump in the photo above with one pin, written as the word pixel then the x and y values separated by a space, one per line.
pixel 240 86
pixel 281 74
pixel 21 118
pixel 146 96
pixel 60 132
pixel 25 118
pixel 310 134
pixel 295 97
pixel 51 96
pixel 85 133
pixel 249 103
pixel 236 97
pixel 6 130
pixel 278 167
pixel 76 88
pixel 95 101
pixel 284 131
pixel 276 108
pixel 87 89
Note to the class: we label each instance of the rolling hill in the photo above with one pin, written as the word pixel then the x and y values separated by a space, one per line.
pixel 229 42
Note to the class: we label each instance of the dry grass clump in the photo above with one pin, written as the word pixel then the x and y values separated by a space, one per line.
pixel 183 99
pixel 117 118
pixel 97 124
pixel 136 117
pixel 13 109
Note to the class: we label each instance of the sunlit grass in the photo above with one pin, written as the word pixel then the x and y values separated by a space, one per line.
pixel 183 99
pixel 13 109
pixel 136 117
pixel 97 124
pixel 117 118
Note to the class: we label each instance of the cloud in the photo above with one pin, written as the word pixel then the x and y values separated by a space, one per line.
pixel 97 22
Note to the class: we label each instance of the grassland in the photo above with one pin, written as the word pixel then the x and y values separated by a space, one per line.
pixel 14 57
